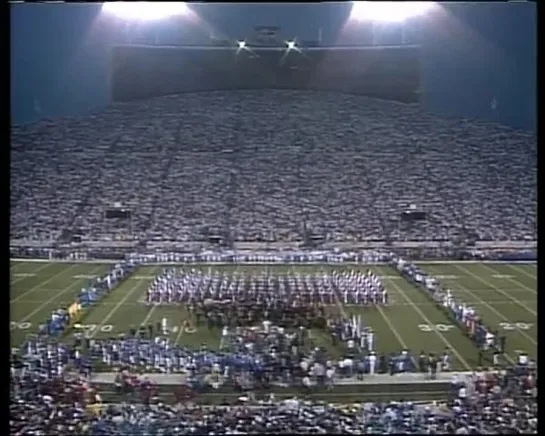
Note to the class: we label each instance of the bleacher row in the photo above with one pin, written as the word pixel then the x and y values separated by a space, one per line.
pixel 494 403
pixel 271 165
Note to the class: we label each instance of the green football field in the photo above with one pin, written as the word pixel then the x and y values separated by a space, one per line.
pixel 505 295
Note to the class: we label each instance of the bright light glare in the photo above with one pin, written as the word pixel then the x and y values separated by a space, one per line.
pixel 291 45
pixel 145 11
pixel 241 44
pixel 388 11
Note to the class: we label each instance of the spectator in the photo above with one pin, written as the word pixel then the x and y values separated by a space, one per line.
pixel 228 164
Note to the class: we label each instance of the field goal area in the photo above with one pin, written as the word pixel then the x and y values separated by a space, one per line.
pixel 505 295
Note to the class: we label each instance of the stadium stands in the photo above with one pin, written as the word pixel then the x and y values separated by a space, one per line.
pixel 495 403
pixel 271 165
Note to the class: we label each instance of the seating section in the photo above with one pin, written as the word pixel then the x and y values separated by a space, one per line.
pixel 271 165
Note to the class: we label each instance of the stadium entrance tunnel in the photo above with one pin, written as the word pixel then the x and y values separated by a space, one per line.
pixel 390 72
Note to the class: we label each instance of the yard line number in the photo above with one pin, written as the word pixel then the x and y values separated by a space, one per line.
pixel 106 328
pixel 435 327
pixel 14 325
pixel 515 326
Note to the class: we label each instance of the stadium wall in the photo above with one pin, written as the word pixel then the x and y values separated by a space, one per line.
pixel 390 72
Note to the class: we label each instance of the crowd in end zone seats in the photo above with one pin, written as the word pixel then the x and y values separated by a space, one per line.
pixel 490 403
pixel 258 164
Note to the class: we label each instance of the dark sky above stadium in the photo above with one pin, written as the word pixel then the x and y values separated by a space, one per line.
pixel 479 59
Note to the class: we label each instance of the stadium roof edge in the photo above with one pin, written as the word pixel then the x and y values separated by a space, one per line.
pixel 282 49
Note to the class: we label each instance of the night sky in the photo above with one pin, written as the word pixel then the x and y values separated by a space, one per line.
pixel 474 53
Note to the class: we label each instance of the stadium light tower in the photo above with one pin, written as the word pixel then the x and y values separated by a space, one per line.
pixel 241 44
pixel 145 11
pixel 134 12
pixel 291 45
pixel 388 12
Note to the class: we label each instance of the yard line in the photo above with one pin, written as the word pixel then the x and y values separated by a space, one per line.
pixel 39 285
pixel 533 312
pixel 33 273
pixel 116 308
pixel 533 291
pixel 499 314
pixel 427 320
pixel 53 298
pixel 150 312
pixel 521 270
pixel 181 327
pixel 396 334
pixel 179 335
pixel 388 322
pixel 340 306
pixel 14 266
pixel 148 316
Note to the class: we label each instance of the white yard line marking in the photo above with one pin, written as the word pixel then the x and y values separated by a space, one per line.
pixel 501 316
pixel 396 334
pixel 492 309
pixel 340 306
pixel 39 285
pixel 520 284
pixel 427 320
pixel 32 274
pixel 53 298
pixel 116 308
pixel 179 335
pixel 521 270
pixel 518 302
pixel 148 316
pixel 14 266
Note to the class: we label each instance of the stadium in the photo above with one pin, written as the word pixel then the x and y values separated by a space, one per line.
pixel 271 235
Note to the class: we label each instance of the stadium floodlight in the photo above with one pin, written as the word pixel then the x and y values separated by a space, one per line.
pixel 388 11
pixel 290 44
pixel 241 44
pixel 145 11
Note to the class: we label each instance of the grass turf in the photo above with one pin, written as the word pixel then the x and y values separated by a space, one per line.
pixel 504 294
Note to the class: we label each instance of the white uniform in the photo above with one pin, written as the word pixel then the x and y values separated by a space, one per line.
pixel 372 363
pixel 224 336
pixel 164 326
pixel 370 341
pixel 489 340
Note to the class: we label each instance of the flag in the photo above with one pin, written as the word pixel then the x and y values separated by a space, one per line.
pixel 73 311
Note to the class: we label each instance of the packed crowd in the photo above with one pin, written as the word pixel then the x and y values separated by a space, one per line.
pixel 290 289
pixel 232 163
pixel 491 403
